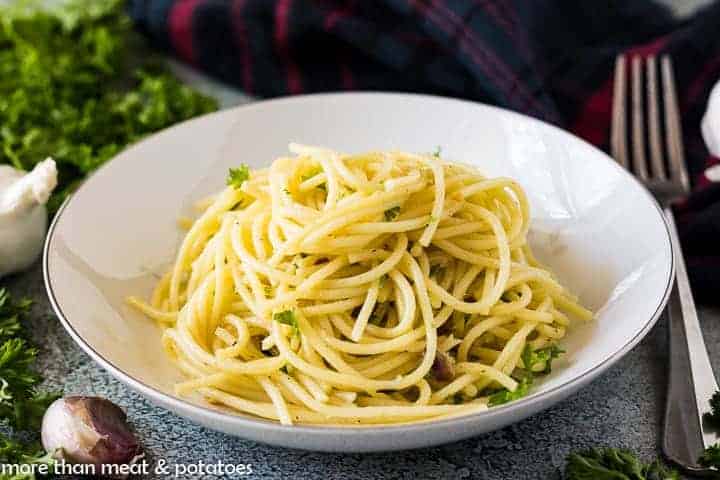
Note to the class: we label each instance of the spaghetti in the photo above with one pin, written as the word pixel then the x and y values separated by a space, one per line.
pixel 385 287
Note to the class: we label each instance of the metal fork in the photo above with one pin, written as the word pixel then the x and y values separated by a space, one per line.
pixel 691 378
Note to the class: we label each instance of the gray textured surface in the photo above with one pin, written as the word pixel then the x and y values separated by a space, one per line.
pixel 623 408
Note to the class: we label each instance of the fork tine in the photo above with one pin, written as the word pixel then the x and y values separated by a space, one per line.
pixel 639 161
pixel 653 97
pixel 678 170
pixel 618 141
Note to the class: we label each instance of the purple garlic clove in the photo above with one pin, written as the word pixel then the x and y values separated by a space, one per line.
pixel 89 430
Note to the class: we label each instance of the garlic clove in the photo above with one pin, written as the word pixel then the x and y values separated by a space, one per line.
pixel 23 217
pixel 710 124
pixel 28 190
pixel 89 430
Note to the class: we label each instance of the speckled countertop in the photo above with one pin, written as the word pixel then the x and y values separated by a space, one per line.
pixel 623 408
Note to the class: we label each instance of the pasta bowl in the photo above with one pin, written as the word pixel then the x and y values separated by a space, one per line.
pixel 596 227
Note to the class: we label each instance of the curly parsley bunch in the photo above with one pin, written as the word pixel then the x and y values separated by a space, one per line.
pixel 77 84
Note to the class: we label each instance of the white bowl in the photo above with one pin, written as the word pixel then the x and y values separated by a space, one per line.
pixel 597 228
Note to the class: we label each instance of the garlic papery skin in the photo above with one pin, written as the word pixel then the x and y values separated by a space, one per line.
pixel 23 216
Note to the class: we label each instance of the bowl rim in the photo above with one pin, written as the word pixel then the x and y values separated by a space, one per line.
pixel 532 402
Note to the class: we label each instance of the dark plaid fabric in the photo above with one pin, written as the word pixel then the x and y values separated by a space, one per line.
pixel 552 59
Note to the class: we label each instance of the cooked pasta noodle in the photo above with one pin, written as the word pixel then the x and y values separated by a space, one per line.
pixel 384 287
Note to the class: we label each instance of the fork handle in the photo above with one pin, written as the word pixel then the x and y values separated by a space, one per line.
pixel 691 377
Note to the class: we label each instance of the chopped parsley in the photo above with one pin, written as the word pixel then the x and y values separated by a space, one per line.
pixel 436 153
pixel 531 358
pixel 505 395
pixel 392 213
pixel 710 457
pixel 614 464
pixel 713 418
pixel 542 356
pixel 288 318
pixel 237 176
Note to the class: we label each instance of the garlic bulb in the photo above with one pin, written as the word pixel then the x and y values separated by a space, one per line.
pixel 89 430
pixel 710 125
pixel 23 217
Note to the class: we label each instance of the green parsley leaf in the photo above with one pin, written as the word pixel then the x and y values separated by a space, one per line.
pixel 505 395
pixel 15 452
pixel 713 418
pixel 711 456
pixel 288 318
pixel 436 153
pixel 10 315
pixel 236 176
pixel 392 213
pixel 614 464
pixel 543 356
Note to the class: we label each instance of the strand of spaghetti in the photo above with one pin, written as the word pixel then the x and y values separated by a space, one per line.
pixel 309 283
pixel 411 411
pixel 201 227
pixel 373 274
pixel 476 332
pixel 365 312
pixel 221 285
pixel 438 201
pixel 503 272
pixel 264 268
pixel 260 409
pixel 373 204
pixel 154 313
pixel 394 361
pixel 397 344
pixel 277 399
pixel 313 387
pixel 261 366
